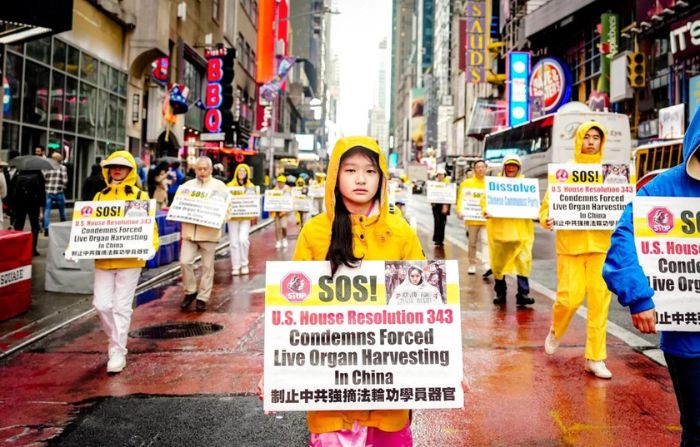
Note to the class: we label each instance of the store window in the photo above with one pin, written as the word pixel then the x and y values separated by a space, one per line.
pixel 40 50
pixel 13 75
pixel 88 69
pixel 36 93
pixel 194 79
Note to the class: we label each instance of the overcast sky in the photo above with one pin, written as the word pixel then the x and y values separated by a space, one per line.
pixel 356 34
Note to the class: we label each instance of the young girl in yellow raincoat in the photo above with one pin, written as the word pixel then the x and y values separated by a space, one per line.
pixel 239 227
pixel 356 226
pixel 580 258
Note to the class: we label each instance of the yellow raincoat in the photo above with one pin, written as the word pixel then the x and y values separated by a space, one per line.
pixel 234 183
pixel 580 258
pixel 126 190
pixel 383 236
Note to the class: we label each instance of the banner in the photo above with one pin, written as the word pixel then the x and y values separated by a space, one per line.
pixel 244 202
pixel 513 197
pixel 199 206
pixel 279 200
pixel 385 335
pixel 399 192
pixel 317 191
pixel 112 229
pixel 667 237
pixel 470 208
pixel 439 192
pixel 589 196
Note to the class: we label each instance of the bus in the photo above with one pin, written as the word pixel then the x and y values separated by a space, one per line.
pixel 550 139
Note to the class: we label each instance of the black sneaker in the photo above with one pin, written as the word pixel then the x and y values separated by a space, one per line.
pixel 188 300
pixel 523 300
pixel 201 306
pixel 487 273
pixel 499 300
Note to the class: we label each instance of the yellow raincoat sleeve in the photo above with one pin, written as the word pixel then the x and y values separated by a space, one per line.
pixel 544 211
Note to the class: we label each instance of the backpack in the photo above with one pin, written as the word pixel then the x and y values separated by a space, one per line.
pixel 27 188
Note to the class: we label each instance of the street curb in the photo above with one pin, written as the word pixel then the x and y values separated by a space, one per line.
pixel 143 287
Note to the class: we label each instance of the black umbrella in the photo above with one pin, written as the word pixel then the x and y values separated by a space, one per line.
pixel 168 160
pixel 31 163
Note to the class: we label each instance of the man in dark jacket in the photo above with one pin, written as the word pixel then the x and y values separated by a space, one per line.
pixel 93 184
pixel 28 196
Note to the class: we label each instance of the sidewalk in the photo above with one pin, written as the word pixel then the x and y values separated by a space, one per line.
pixel 51 310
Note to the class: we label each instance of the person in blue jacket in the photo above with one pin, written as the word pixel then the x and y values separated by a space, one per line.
pixel 625 277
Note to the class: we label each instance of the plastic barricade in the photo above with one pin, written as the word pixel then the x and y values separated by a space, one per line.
pixel 15 273
pixel 169 239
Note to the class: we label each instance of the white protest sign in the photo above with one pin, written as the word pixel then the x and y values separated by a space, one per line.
pixel 112 229
pixel 386 335
pixel 302 202
pixel 245 201
pixel 667 238
pixel 199 206
pixel 317 191
pixel 279 200
pixel 439 192
pixel 588 196
pixel 470 208
pixel 513 197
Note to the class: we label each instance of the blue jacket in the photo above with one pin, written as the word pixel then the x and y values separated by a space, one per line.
pixel 622 272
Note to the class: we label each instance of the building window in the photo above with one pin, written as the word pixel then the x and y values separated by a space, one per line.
pixel 194 79
pixel 215 10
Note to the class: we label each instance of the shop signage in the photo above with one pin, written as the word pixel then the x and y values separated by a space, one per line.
pixel 518 69
pixel 218 97
pixel 550 81
pixel 672 122
pixel 473 33
pixel 685 37
pixel 694 95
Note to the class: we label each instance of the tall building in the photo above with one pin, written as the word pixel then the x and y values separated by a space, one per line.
pixel 442 66
pixel 377 125
pixel 403 76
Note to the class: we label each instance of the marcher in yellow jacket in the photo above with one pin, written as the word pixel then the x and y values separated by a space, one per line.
pixel 510 244
pixel 280 217
pixel 301 216
pixel 580 258
pixel 319 179
pixel 476 229
pixel 116 279
pixel 357 225
pixel 239 227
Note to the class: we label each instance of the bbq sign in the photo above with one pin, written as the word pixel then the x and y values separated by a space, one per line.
pixel 551 81
pixel 218 97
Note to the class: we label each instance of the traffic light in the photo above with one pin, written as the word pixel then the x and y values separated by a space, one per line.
pixel 636 69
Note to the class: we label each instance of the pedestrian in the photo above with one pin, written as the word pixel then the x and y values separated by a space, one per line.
pixel 40 151
pixel 440 212
pixel 626 279
pixel 320 180
pixel 158 184
pixel 56 181
pixel 199 240
pixel 116 279
pixel 510 245
pixel 175 177
pixel 580 258
pixel 303 191
pixel 280 217
pixel 357 226
pixel 93 184
pixel 239 227
pixel 27 198
pixel 476 229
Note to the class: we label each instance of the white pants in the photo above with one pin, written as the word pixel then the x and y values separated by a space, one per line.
pixel 238 231
pixel 114 297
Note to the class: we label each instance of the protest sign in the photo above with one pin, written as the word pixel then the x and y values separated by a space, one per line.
pixel 302 202
pixel 514 197
pixel 385 335
pixel 588 196
pixel 439 192
pixel 112 229
pixel 667 238
pixel 470 208
pixel 245 201
pixel 199 206
pixel 317 191
pixel 279 200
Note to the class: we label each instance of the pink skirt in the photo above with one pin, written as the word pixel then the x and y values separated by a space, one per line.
pixel 361 436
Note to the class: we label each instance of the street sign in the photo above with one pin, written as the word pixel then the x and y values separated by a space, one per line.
pixel 212 136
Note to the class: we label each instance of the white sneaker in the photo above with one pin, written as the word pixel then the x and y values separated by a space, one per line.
pixel 236 272
pixel 278 244
pixel 598 368
pixel 116 364
pixel 284 243
pixel 244 270
pixel 551 344
pixel 471 270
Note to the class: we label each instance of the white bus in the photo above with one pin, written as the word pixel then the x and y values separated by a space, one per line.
pixel 550 139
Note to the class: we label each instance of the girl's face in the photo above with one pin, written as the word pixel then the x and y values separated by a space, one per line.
pixel 241 174
pixel 415 276
pixel 358 181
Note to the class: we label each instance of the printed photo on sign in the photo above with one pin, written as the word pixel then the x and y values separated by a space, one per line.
pixel 589 196
pixel 667 239
pixel 336 342
pixel 471 204
pixel 513 197
pixel 112 230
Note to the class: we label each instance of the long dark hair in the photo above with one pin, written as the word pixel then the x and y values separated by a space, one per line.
pixel 340 249
pixel 153 173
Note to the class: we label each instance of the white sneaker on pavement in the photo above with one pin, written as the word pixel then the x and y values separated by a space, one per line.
pixel 278 244
pixel 551 344
pixel 598 368
pixel 244 270
pixel 235 272
pixel 284 243
pixel 471 270
pixel 116 364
